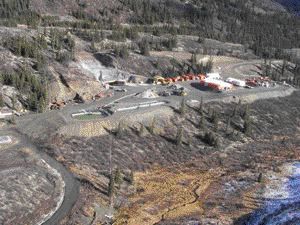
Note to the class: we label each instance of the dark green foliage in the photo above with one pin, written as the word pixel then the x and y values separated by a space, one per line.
pixel 194 60
pixel 13 102
pixel 117 35
pixel 296 72
pixel 93 47
pixel 261 31
pixel 201 107
pixel 141 131
pixel 170 43
pixel 202 68
pixel 247 126
pixel 182 108
pixel 144 47
pixel 30 85
pixel 118 177
pixel 260 178
pixel 111 185
pixel 202 124
pixel 131 178
pixel 131 33
pixel 246 113
pixel 228 124
pixel 1 100
pixel 17 11
pixel 152 126
pixel 21 46
pixel 179 136
pixel 215 120
pixel 28 48
pixel 90 35
pixel 60 39
pixel 235 110
pixel 64 57
pixel 121 51
pixel 247 121
pixel 211 139
pixel 120 129
pixel 12 120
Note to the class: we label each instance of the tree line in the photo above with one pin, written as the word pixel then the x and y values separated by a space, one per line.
pixel 29 85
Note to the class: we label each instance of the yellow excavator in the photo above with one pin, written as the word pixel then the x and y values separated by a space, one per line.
pixel 160 80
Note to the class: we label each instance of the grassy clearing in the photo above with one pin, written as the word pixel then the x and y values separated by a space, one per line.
pixel 166 193
pixel 88 117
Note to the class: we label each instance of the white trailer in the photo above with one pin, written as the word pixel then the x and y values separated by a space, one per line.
pixel 236 82
pixel 215 84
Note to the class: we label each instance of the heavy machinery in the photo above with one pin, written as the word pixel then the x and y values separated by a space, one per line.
pixel 160 80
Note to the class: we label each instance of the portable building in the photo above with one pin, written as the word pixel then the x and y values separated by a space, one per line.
pixel 236 82
pixel 217 85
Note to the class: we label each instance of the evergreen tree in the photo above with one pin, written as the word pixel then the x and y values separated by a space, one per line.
pixel 111 186
pixel 1 100
pixel 131 178
pixel 141 131
pixel 247 126
pixel 201 112
pixel 179 136
pixel 215 120
pixel 194 60
pixel 228 124
pixel 145 48
pixel 120 129
pixel 13 102
pixel 202 123
pixel 182 109
pixel 152 126
pixel 118 177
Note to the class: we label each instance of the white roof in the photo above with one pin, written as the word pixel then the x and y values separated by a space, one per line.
pixel 230 79
pixel 236 81
pixel 213 75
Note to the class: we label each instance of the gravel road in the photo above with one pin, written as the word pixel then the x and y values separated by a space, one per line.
pixel 71 184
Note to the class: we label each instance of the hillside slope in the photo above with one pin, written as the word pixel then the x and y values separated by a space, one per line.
pixel 259 24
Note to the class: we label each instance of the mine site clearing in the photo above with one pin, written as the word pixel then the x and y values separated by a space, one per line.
pixel 170 91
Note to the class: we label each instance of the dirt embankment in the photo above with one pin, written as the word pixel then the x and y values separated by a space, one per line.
pixel 100 127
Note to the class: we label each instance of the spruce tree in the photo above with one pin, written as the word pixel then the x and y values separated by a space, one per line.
pixel 182 109
pixel 141 131
pixel 179 136
pixel 1 100
pixel 152 126
pixel 111 185
pixel 118 177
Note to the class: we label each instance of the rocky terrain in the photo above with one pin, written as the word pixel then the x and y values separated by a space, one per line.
pixel 31 190
pixel 197 157
pixel 234 165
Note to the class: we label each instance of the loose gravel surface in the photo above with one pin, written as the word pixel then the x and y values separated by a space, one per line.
pixel 34 188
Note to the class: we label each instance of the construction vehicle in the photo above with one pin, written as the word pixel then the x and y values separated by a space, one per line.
pixel 180 92
pixel 160 80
